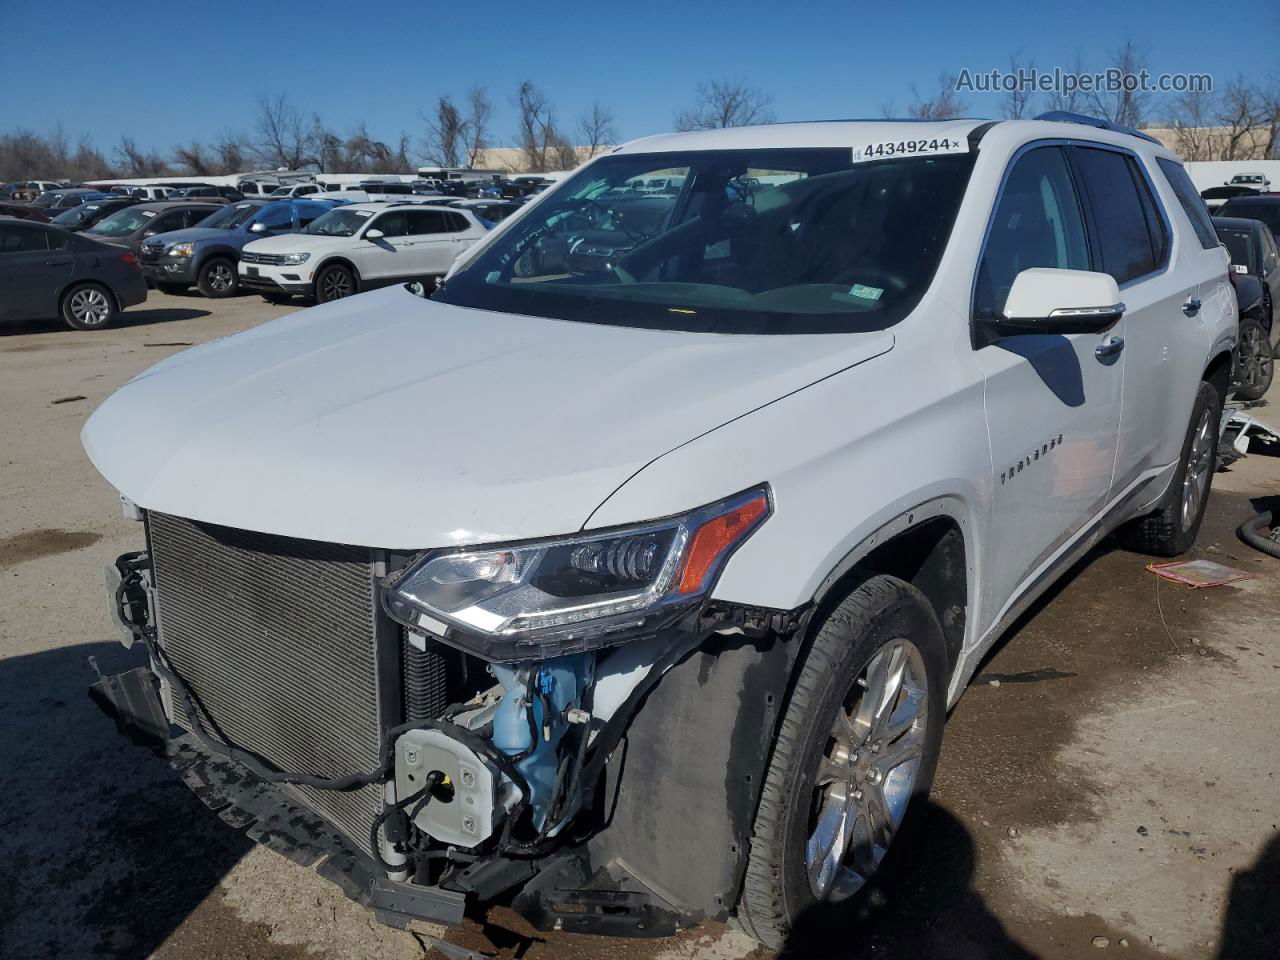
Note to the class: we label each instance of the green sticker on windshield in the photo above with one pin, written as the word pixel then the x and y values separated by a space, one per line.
pixel 865 292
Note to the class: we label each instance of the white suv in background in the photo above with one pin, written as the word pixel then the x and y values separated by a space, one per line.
pixel 358 247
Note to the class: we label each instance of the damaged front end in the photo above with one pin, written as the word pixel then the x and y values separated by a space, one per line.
pixel 447 725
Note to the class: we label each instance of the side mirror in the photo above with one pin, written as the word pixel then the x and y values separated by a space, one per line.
pixel 1045 300
pixel 374 234
pixel 257 228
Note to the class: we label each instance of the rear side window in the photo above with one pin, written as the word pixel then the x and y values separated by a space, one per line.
pixel 457 222
pixel 427 221
pixel 391 224
pixel 1191 202
pixel 1037 223
pixel 1122 239
pixel 15 238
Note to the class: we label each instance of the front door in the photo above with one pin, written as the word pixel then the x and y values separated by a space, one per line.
pixel 1053 402
pixel 390 255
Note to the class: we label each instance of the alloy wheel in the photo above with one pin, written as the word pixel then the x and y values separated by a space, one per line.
pixel 868 774
pixel 335 285
pixel 1255 357
pixel 1195 479
pixel 220 278
pixel 90 307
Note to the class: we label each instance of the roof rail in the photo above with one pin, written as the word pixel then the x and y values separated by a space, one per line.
pixel 1064 116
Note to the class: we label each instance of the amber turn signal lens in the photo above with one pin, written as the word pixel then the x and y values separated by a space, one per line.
pixel 718 535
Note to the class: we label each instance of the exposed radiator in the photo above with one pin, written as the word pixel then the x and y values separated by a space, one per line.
pixel 276 637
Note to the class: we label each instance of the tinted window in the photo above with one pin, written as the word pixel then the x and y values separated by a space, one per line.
pixel 195 216
pixel 15 238
pixel 427 221
pixel 1157 228
pixel 1191 202
pixel 1037 224
pixel 278 218
pixel 457 222
pixel 392 224
pixel 1122 240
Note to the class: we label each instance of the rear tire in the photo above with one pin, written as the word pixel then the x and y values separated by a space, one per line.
pixel 1257 362
pixel 1172 528
pixel 218 278
pixel 88 306
pixel 798 876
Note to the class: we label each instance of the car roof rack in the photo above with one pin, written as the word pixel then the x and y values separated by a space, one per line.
pixel 1065 116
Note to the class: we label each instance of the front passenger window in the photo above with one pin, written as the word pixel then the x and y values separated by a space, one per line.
pixel 1037 223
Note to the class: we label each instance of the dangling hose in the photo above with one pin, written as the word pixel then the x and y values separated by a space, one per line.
pixel 1251 532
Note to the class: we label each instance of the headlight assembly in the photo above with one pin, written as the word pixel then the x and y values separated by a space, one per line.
pixel 581 592
pixel 179 250
pixel 293 259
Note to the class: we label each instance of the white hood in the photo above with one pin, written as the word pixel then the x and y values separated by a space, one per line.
pixel 391 421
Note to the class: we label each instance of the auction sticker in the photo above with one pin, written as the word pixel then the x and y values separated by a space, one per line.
pixel 917 147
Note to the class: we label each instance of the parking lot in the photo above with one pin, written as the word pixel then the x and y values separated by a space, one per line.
pixel 1107 785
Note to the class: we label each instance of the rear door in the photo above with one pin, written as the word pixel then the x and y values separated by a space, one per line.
pixel 32 270
pixel 1053 402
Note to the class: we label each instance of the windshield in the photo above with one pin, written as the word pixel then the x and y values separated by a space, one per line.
pixel 768 241
pixel 122 222
pixel 230 217
pixel 338 223
pixel 76 215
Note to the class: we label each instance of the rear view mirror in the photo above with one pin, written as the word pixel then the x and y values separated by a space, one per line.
pixel 374 234
pixel 1045 300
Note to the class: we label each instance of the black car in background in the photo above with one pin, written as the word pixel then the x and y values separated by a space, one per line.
pixel 55 201
pixel 46 271
pixel 1264 207
pixel 132 225
pixel 207 191
pixel 1215 197
pixel 87 214
pixel 1255 273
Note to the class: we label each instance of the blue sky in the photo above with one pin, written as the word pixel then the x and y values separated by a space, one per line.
pixel 167 73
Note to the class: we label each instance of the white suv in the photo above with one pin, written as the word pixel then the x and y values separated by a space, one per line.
pixel 749 478
pixel 358 247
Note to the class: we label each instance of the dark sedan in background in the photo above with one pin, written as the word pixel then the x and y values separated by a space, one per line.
pixel 133 225
pixel 87 214
pixel 1263 206
pixel 54 202
pixel 46 271
pixel 1255 273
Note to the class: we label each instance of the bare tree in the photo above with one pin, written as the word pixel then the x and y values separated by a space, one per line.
pixel 446 134
pixel 1193 136
pixel 596 129
pixel 1126 106
pixel 540 142
pixel 1272 144
pixel 232 153
pixel 479 121
pixel 1069 101
pixel 725 103
pixel 136 162
pixel 945 104
pixel 1243 115
pixel 195 158
pixel 1017 102
pixel 282 135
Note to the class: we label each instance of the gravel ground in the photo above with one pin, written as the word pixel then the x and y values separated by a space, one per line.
pixel 1107 785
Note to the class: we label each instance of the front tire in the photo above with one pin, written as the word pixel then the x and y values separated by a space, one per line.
pixel 1172 529
pixel 88 306
pixel 218 278
pixel 334 283
pixel 858 744
pixel 1257 363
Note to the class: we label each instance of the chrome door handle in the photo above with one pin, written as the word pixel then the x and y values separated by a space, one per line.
pixel 1191 307
pixel 1109 349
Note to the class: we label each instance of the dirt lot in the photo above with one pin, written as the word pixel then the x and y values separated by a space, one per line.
pixel 1112 775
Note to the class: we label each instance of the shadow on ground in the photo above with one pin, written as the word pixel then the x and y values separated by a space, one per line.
pixel 922 903
pixel 133 317
pixel 105 850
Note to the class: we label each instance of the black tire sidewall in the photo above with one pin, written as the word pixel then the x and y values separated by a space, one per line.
pixel 69 318
pixel 1206 396
pixel 320 297
pixel 898 610
pixel 203 279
